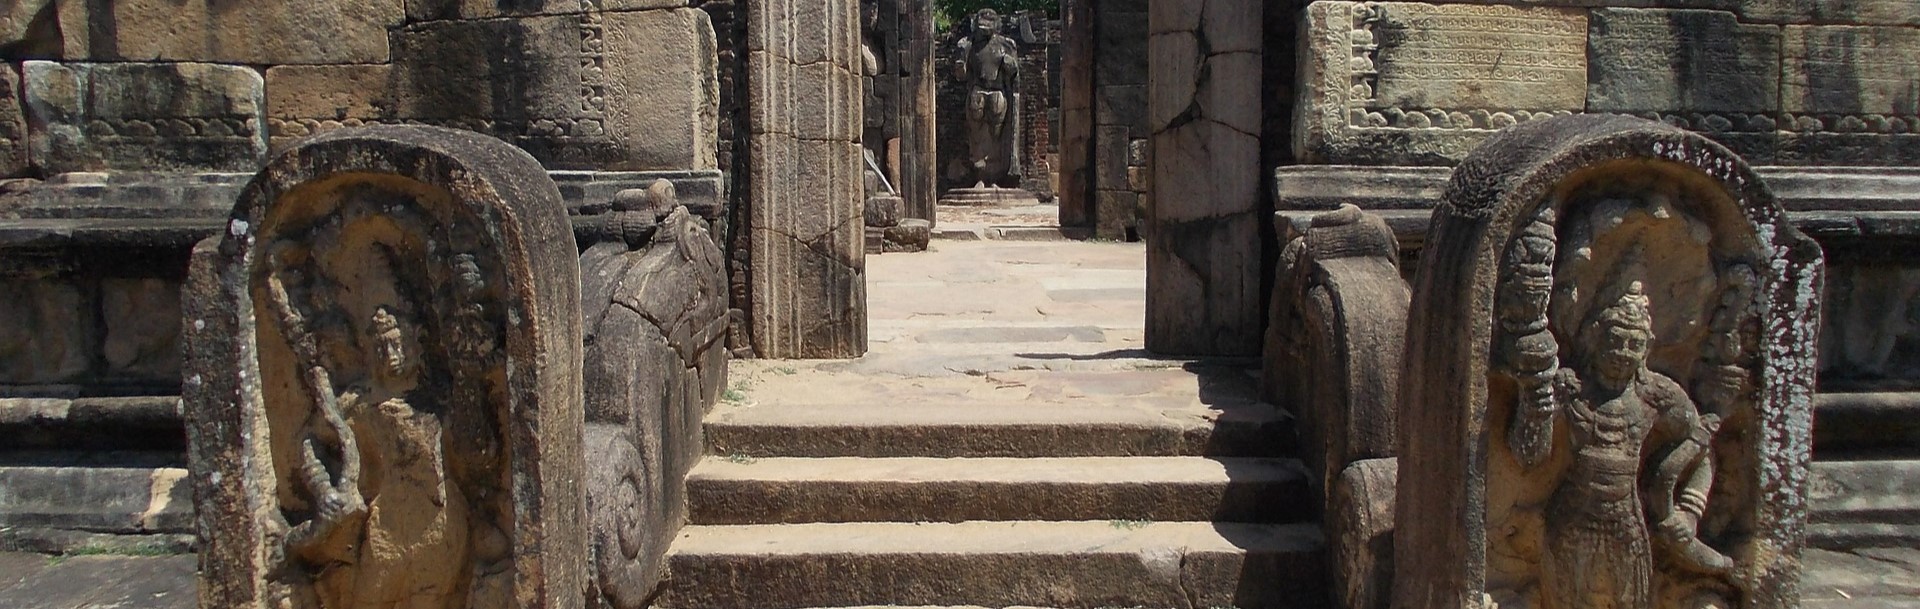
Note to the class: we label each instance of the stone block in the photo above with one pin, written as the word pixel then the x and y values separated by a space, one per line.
pixel 1110 158
pixel 45 29
pixel 884 212
pixel 1852 71
pixel 911 235
pixel 1680 61
pixel 1419 84
pixel 431 10
pixel 335 31
pixel 1122 105
pixel 612 91
pixel 49 336
pixel 1868 12
pixel 141 320
pixel 1360 534
pixel 304 100
pixel 402 420
pixel 14 161
pixel 144 117
pixel 1661 272
pixel 1114 212
pixel 1121 58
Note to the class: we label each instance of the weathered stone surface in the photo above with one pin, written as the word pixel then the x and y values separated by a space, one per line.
pixel 428 10
pixel 1203 270
pixel 1408 83
pixel 1868 333
pixel 350 31
pixel 883 212
pixel 1662 463
pixel 1360 534
pixel 144 117
pixel 656 316
pixel 1337 325
pixel 304 100
pixel 1680 61
pixel 1851 71
pixel 410 431
pixel 607 91
pixel 49 338
pixel 126 500
pixel 13 127
pixel 141 321
pixel 1875 12
pixel 911 235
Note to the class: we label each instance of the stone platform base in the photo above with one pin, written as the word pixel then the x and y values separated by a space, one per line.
pixel 989 197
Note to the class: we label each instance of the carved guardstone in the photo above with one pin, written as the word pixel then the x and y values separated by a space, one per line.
pixel 1609 372
pixel 655 290
pixel 383 381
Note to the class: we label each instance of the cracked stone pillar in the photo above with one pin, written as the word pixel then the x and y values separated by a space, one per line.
pixel 1203 238
pixel 808 288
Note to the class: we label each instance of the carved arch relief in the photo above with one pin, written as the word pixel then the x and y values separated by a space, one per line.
pixel 1623 385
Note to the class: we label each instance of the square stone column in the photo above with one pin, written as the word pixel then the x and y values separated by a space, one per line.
pixel 1203 242
pixel 808 287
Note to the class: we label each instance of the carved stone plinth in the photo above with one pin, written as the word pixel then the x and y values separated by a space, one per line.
pixel 991 196
pixel 1609 373
pixel 383 381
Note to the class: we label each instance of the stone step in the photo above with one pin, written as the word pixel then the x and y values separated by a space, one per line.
pixel 853 489
pixel 1859 504
pixel 124 500
pixel 1886 422
pixel 102 423
pixel 997 564
pixel 997 430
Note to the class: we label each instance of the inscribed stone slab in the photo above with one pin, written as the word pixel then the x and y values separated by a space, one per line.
pixel 1680 61
pixel 1408 84
pixel 1467 57
pixel 608 91
pixel 144 117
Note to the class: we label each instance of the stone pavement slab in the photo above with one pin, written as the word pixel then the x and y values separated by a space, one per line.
pixel 97 582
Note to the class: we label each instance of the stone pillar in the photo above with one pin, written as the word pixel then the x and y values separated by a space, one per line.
pixel 1077 59
pixel 1204 250
pixel 914 163
pixel 808 287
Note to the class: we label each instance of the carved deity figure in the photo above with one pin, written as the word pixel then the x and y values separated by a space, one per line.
pixel 1638 472
pixel 373 465
pixel 990 66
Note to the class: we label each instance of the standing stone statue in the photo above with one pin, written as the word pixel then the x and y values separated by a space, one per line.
pixel 990 65
pixel 1609 371
pixel 383 381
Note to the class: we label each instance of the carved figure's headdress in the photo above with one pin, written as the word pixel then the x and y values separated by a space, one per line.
pixel 1631 310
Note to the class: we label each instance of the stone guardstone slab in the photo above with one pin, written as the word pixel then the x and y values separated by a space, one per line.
pixel 144 117
pixel 654 286
pixel 1609 373
pixel 1402 83
pixel 383 380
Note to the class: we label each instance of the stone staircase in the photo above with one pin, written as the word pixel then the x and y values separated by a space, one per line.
pixel 1072 502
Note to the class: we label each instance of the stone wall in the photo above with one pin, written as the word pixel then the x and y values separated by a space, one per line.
pixel 899 119
pixel 1780 82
